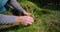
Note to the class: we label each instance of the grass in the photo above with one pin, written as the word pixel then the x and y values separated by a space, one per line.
pixel 46 20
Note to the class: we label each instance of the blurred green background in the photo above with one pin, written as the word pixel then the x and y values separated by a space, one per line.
pixel 47 16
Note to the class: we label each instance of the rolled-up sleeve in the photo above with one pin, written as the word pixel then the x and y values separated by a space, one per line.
pixel 4 19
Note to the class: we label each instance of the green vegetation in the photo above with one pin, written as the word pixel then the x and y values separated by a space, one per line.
pixel 46 18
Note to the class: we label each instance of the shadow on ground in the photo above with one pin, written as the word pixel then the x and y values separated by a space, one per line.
pixel 10 28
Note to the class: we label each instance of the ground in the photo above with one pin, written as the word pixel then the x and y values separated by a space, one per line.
pixel 46 19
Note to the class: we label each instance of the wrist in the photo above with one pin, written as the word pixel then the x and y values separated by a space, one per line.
pixel 17 19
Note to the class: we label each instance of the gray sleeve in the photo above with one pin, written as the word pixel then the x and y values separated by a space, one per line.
pixel 4 19
pixel 16 5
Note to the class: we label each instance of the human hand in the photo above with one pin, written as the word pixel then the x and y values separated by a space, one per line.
pixel 24 20
pixel 28 14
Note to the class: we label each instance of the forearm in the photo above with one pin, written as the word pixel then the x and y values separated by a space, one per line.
pixel 4 19
pixel 16 5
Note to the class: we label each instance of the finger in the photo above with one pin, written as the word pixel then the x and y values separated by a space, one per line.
pixel 30 20
pixel 30 17
pixel 29 23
